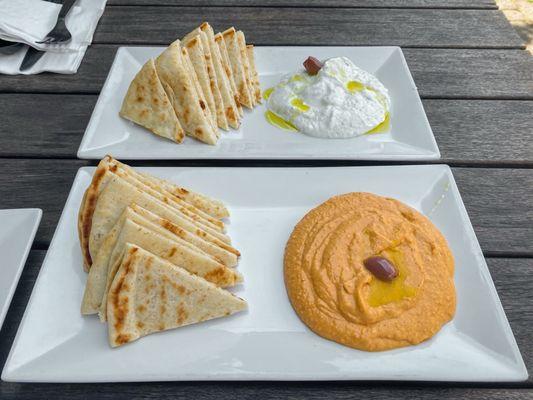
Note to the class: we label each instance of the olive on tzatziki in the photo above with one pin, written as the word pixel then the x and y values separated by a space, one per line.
pixel 335 99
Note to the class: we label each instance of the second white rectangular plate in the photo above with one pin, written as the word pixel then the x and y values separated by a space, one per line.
pixel 17 231
pixel 268 342
pixel 410 136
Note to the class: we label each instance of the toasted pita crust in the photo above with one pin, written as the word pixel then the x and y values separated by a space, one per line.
pixel 150 195
pixel 226 255
pixel 230 107
pixel 176 251
pixel 213 80
pixel 197 57
pixel 237 66
pixel 199 92
pixel 219 40
pixel 119 194
pixel 253 70
pixel 171 68
pixel 203 220
pixel 149 294
pixel 147 104
pixel 246 63
pixel 210 206
pixel 133 227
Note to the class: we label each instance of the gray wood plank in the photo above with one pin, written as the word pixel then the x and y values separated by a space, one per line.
pixel 314 26
pixel 45 184
pixel 482 131
pixel 472 74
pixel 467 131
pixel 499 201
pixel 513 280
pixel 438 73
pixel 463 4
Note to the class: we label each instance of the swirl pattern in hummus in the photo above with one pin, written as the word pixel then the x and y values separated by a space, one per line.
pixel 339 299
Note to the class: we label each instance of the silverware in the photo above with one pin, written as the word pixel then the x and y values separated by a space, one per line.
pixel 8 48
pixel 60 33
pixel 32 56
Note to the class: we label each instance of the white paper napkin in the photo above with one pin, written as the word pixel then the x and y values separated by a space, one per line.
pixel 29 21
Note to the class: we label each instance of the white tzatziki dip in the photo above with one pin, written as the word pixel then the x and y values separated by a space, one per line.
pixel 340 101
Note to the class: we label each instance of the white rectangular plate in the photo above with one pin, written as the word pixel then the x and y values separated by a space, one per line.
pixel 410 136
pixel 17 230
pixel 268 342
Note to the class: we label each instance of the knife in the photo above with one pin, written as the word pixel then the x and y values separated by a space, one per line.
pixel 33 55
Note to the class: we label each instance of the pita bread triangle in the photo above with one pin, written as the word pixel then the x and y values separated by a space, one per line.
pixel 119 194
pixel 237 66
pixel 213 207
pixel 241 41
pixel 132 227
pixel 226 255
pixel 177 251
pixel 147 104
pixel 197 57
pixel 149 295
pixel 172 70
pixel 219 40
pixel 101 177
pixel 230 107
pixel 200 93
pixel 253 71
pixel 213 80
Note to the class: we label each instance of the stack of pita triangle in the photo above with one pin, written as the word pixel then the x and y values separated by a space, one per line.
pixel 157 254
pixel 196 86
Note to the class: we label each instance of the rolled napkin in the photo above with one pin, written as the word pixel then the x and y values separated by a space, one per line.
pixel 29 21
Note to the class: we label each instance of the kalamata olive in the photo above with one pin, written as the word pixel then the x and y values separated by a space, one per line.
pixel 312 65
pixel 381 268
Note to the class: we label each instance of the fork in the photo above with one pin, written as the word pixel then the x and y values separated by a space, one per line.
pixel 60 33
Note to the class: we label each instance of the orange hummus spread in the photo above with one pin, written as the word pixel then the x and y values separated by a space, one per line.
pixel 338 298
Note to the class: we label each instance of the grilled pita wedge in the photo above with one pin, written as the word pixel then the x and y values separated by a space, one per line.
pixel 230 107
pixel 202 219
pixel 219 40
pixel 226 255
pixel 172 70
pixel 176 251
pixel 253 71
pixel 134 228
pixel 147 104
pixel 149 295
pixel 213 80
pixel 119 194
pixel 212 207
pixel 241 41
pixel 209 206
pixel 200 93
pixel 197 57
pixel 237 66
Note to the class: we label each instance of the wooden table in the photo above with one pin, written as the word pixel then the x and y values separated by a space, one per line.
pixel 476 82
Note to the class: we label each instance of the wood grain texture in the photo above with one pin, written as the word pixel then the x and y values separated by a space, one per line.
pixel 467 131
pixel 482 131
pixel 438 73
pixel 499 201
pixel 45 184
pixel 513 280
pixel 472 74
pixel 463 4
pixel 314 26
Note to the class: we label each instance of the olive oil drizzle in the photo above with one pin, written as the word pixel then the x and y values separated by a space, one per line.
pixel 381 292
